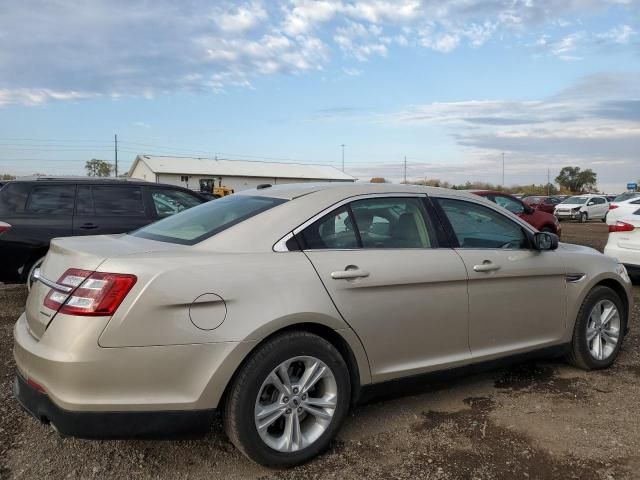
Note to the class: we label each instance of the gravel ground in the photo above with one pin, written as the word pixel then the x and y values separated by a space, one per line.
pixel 533 420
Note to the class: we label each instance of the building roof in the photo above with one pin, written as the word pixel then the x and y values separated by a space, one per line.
pixel 239 168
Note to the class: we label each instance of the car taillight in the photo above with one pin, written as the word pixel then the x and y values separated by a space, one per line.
pixel 94 294
pixel 4 226
pixel 612 206
pixel 621 227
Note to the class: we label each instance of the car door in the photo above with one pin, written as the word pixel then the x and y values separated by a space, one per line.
pixel 105 209
pixel 517 295
pixel 400 288
pixel 601 206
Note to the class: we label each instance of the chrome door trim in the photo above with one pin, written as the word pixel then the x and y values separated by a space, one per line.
pixel 280 245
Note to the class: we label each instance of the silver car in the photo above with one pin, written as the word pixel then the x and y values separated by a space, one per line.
pixel 278 306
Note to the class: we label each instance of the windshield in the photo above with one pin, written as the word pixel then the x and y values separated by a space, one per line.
pixel 576 200
pixel 198 223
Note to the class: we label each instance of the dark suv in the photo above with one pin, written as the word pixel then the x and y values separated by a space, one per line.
pixel 34 211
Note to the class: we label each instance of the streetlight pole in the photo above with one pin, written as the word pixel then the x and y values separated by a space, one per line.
pixel 405 169
pixel 502 170
pixel 343 145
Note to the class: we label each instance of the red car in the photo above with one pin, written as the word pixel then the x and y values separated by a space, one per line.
pixel 542 202
pixel 543 221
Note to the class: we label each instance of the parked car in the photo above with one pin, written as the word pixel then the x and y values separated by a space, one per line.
pixel 542 202
pixel 626 196
pixel 624 242
pixel 622 208
pixel 33 211
pixel 583 208
pixel 325 290
pixel 539 219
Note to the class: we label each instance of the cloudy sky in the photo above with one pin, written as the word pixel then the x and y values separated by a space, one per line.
pixel 450 85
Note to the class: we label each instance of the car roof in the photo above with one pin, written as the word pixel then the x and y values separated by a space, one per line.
pixel 96 181
pixel 291 191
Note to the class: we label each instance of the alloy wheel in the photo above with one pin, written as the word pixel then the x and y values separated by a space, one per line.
pixel 603 329
pixel 296 404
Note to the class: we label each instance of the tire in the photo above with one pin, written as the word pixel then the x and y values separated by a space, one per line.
pixel 584 217
pixel 581 354
pixel 253 385
pixel 548 229
pixel 32 269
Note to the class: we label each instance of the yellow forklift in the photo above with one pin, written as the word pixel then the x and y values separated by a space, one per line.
pixel 208 187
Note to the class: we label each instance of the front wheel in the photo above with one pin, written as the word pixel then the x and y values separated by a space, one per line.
pixel 583 217
pixel 288 400
pixel 599 330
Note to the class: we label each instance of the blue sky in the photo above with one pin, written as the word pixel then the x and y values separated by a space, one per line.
pixel 451 85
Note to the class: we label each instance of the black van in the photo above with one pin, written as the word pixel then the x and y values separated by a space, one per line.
pixel 33 211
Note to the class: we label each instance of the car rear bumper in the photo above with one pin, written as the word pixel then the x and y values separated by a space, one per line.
pixel 630 258
pixel 111 424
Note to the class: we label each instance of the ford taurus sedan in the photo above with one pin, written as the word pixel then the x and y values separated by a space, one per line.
pixel 279 306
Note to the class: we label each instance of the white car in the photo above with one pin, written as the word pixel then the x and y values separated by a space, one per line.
pixel 624 208
pixel 624 242
pixel 582 208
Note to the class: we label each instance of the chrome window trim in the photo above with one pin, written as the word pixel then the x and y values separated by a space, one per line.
pixel 280 245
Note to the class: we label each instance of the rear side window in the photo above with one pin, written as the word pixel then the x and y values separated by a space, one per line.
pixel 52 199
pixel 117 200
pixel 13 198
pixel 372 223
pixel 198 223
pixel 169 202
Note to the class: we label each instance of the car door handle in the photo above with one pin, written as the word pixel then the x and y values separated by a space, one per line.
pixel 88 226
pixel 486 266
pixel 349 273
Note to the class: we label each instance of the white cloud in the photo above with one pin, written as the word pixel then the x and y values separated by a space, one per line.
pixel 621 34
pixel 242 18
pixel 114 48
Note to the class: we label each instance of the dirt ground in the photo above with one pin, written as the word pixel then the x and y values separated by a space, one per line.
pixel 535 420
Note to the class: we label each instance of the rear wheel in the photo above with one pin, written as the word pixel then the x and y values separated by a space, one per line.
pixel 599 330
pixel 288 401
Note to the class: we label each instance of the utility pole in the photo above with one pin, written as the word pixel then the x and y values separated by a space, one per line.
pixel 405 169
pixel 548 182
pixel 502 170
pixel 343 145
pixel 116 152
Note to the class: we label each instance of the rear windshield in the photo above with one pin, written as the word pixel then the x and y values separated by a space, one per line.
pixel 575 200
pixel 198 223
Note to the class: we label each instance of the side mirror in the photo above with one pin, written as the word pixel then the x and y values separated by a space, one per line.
pixel 545 241
pixel 590 203
pixel 529 210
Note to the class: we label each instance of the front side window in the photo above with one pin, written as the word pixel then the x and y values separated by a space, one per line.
pixel 508 203
pixel 117 200
pixel 169 202
pixel 372 223
pixel 477 226
pixel 52 199
pixel 199 223
pixel 552 201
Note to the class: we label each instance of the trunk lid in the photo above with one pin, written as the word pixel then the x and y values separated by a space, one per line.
pixel 85 253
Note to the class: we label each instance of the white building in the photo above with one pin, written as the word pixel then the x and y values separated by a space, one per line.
pixel 237 174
